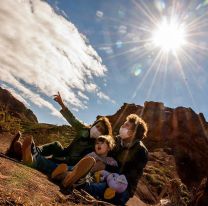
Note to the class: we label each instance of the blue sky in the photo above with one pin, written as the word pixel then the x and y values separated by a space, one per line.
pixel 137 71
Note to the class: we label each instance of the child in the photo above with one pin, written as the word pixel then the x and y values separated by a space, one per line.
pixel 90 163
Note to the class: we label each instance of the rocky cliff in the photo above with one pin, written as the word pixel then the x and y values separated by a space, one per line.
pixel 10 106
pixel 181 130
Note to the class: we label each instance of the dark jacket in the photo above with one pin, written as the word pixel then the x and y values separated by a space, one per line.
pixel 131 161
pixel 82 144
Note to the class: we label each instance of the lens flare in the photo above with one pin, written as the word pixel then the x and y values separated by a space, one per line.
pixel 119 44
pixel 136 70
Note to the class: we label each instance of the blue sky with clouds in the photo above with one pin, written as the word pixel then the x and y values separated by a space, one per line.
pixel 120 31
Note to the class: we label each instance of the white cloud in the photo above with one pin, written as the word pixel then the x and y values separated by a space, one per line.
pixel 83 95
pixel 107 49
pixel 44 53
pixel 91 87
pixel 28 94
pixel 122 29
pixel 101 95
pixel 16 95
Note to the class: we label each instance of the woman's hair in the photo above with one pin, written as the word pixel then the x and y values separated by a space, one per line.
pixel 107 125
pixel 139 124
pixel 108 139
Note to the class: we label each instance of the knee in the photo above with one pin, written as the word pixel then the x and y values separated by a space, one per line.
pixel 58 144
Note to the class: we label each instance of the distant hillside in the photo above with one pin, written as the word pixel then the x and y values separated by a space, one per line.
pixel 15 116
pixel 9 105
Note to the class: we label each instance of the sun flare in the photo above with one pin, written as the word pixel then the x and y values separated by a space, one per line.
pixel 169 35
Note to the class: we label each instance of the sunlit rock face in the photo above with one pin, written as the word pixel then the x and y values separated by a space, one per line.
pixel 180 129
pixel 9 105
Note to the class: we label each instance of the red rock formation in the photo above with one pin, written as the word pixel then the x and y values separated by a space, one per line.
pixel 180 129
pixel 15 108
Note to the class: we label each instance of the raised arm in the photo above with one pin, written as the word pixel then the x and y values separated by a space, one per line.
pixel 67 113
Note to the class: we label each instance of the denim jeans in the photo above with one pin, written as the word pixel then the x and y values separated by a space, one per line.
pixel 45 165
pixel 121 198
pixel 97 190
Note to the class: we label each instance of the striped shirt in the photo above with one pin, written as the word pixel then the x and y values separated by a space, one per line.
pixel 106 160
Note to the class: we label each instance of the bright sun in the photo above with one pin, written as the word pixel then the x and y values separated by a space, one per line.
pixel 169 36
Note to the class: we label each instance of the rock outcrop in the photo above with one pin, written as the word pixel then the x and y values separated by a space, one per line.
pixel 10 107
pixel 180 129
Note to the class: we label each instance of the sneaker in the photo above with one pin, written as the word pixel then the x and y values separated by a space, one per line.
pixel 27 156
pixel 15 148
pixel 87 179
pixel 61 168
pixel 81 169
pixel 17 136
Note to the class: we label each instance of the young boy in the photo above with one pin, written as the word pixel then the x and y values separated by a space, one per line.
pixel 90 163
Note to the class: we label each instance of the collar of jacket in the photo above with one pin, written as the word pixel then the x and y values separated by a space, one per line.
pixel 128 145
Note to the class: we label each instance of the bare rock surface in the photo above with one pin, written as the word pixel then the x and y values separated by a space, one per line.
pixel 14 108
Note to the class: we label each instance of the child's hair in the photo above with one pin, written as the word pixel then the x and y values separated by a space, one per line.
pixel 108 139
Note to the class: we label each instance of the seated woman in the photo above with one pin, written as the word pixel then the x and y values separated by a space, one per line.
pixel 81 145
